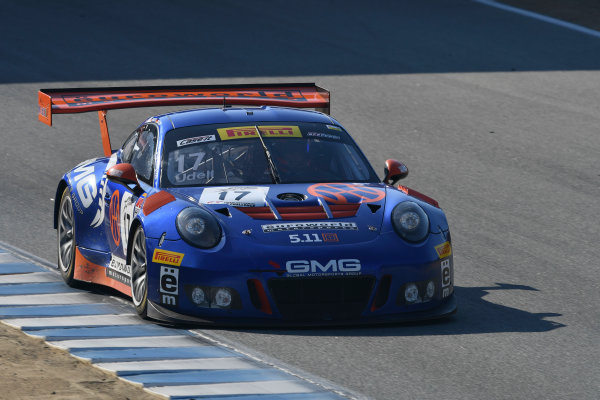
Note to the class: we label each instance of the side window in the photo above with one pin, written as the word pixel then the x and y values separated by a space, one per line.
pixel 128 147
pixel 142 155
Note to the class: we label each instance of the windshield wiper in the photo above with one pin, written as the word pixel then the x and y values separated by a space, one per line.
pixel 272 169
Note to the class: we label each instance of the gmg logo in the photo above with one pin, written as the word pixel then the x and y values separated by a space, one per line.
pixel 305 266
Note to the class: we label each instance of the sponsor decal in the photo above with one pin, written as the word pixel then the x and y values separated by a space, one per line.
pixel 126 217
pixel 244 132
pixel 237 196
pixel 197 139
pixel 169 288
pixel 307 226
pixel 446 279
pixel 76 203
pixel 313 237
pixel 347 266
pixel 153 120
pixel 444 250
pixel 184 159
pixel 79 100
pixel 139 204
pixel 99 217
pixel 167 257
pixel 181 178
pixel 85 184
pixel 118 270
pixel 335 128
pixel 330 237
pixel 115 228
pixel 305 238
pixel 322 135
pixel 344 193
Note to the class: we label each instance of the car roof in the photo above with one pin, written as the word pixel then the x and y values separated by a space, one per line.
pixel 182 119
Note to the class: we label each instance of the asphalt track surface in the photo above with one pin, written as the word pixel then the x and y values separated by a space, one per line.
pixel 495 114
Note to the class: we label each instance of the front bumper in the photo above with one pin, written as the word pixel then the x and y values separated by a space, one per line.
pixel 277 298
pixel 445 309
pixel 274 285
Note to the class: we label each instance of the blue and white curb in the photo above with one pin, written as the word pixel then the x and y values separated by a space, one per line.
pixel 103 330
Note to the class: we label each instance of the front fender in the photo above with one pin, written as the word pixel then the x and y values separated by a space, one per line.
pixel 162 220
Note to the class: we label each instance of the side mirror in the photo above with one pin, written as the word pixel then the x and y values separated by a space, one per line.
pixel 394 171
pixel 124 174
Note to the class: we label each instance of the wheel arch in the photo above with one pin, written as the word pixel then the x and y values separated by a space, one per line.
pixel 59 191
pixel 134 225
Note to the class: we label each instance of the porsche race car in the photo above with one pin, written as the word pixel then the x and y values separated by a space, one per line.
pixel 261 211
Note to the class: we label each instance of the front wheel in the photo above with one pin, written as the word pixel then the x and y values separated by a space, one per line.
pixel 66 239
pixel 139 273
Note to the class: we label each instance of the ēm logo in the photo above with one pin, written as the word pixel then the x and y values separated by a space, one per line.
pixel 169 289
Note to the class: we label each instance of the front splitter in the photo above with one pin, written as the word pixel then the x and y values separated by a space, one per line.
pixel 159 313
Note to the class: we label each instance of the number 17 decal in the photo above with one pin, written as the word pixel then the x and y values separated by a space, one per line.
pixel 223 194
pixel 237 196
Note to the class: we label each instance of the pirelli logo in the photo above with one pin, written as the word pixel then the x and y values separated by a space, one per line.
pixel 444 250
pixel 244 132
pixel 167 257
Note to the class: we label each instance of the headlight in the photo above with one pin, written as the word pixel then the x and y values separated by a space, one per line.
pixel 198 228
pixel 410 221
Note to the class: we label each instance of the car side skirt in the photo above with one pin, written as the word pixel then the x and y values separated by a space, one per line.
pixel 87 271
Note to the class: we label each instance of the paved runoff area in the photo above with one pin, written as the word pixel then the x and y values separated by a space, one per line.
pixel 174 363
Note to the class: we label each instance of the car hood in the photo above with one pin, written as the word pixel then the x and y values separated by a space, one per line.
pixel 271 213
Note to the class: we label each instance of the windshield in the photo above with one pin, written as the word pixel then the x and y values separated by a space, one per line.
pixel 222 154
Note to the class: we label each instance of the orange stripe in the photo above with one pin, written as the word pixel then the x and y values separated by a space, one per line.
pixel 156 201
pixel 87 271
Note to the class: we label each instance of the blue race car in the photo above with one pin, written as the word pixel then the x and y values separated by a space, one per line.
pixel 257 212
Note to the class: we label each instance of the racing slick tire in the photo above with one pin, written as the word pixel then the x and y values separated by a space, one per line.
pixel 139 273
pixel 66 241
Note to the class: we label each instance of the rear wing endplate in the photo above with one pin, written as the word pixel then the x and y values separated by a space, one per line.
pixel 79 100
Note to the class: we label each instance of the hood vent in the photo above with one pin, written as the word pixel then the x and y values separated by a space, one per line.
pixel 302 213
pixel 344 210
pixel 291 197
pixel 224 211
pixel 257 212
pixel 374 207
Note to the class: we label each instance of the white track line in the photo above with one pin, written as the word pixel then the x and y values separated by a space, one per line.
pixel 49 299
pixel 137 342
pixel 73 321
pixel 133 367
pixel 234 388
pixel 33 277
pixel 530 14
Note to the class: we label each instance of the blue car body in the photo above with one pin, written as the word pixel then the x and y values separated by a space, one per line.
pixel 340 267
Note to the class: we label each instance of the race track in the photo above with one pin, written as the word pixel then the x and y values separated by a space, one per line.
pixel 496 115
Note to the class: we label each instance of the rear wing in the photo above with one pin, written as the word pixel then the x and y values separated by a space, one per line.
pixel 79 100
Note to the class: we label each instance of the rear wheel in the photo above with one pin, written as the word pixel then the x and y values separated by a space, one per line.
pixel 66 238
pixel 139 273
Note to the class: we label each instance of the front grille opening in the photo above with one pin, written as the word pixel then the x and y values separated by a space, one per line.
pixel 258 297
pixel 383 292
pixel 321 298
